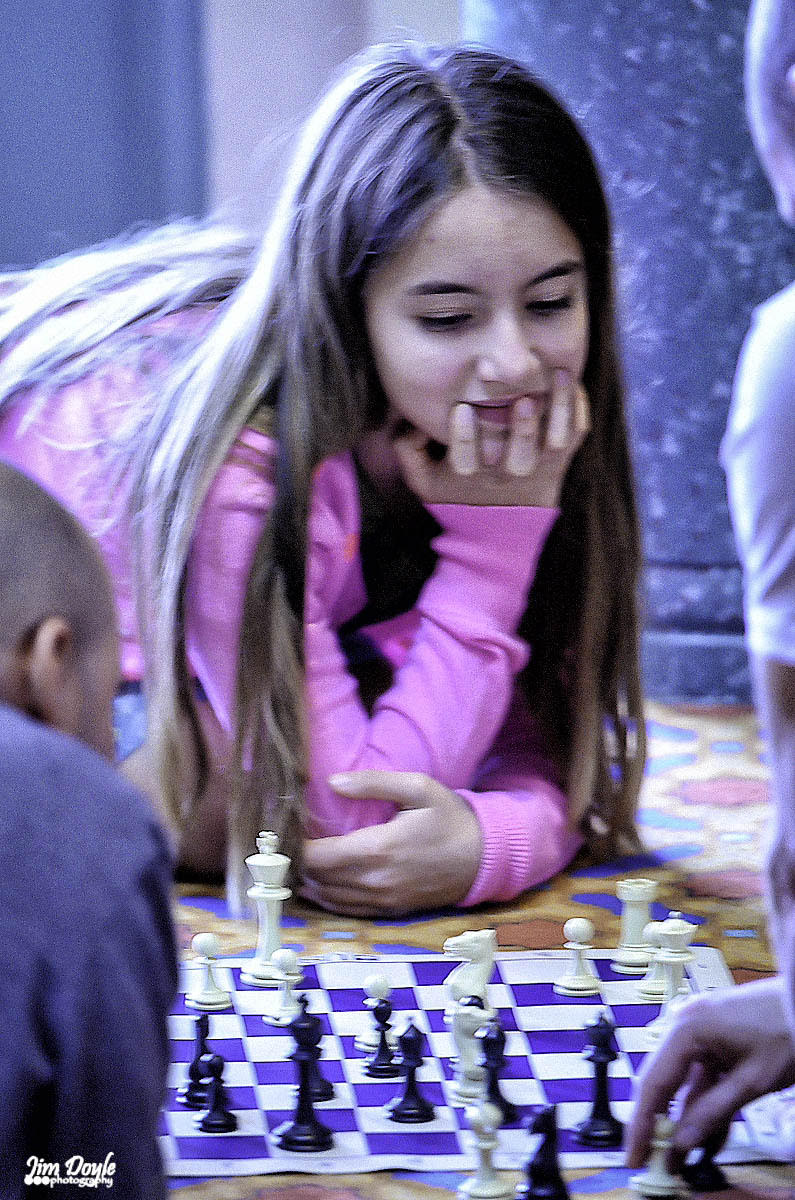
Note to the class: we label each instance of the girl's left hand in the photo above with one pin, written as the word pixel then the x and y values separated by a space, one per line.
pixel 426 856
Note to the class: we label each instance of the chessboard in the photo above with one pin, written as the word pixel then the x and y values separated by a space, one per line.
pixel 545 1038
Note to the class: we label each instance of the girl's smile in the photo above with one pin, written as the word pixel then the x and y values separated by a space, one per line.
pixel 480 307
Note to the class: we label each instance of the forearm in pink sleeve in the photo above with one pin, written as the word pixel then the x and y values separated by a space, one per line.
pixel 526 839
pixel 522 808
pixel 450 696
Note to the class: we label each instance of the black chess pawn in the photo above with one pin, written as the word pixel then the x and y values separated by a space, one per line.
pixel 194 1094
pixel 601 1128
pixel 411 1108
pixel 704 1174
pixel 305 1132
pixel 218 1118
pixel 492 1041
pixel 544 1180
pixel 382 1065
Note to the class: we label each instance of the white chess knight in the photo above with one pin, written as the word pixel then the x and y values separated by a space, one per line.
pixel 579 980
pixel 673 955
pixel 484 1120
pixel 632 954
pixel 656 1180
pixel 268 868
pixel 205 994
pixel 470 978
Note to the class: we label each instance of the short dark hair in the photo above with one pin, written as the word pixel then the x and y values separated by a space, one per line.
pixel 49 566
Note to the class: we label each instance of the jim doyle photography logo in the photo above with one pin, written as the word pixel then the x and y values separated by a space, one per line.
pixel 75 1172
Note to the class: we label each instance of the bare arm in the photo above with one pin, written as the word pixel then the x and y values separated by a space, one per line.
pixel 775 694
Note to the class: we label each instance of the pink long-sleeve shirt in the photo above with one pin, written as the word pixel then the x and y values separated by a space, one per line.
pixel 452 710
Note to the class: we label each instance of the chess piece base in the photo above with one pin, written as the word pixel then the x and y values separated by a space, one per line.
pixel 601 1133
pixel 495 1189
pixel 208 1005
pixel 631 962
pixel 570 985
pixel 651 1189
pixel 225 1123
pixel 306 1138
pixel 262 974
pixel 415 1116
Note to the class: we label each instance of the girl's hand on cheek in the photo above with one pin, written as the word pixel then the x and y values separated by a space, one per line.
pixel 531 463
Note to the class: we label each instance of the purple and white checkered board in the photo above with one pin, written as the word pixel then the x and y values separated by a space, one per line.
pixel 544 1041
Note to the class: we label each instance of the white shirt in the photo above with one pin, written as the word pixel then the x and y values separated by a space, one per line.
pixel 758 455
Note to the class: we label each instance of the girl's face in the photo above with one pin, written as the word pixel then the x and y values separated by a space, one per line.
pixel 481 305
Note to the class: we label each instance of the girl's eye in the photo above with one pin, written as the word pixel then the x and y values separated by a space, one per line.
pixel 441 321
pixel 554 304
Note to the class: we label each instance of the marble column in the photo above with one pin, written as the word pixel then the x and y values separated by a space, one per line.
pixel 657 88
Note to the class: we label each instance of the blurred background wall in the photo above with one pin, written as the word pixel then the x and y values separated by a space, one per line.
pixel 126 112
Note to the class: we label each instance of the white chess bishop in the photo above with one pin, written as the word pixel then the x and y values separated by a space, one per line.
pixel 269 869
pixel 486 1184
pixel 676 935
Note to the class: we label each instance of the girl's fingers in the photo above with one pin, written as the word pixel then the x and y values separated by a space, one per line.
pixel 522 453
pixel 463 449
pixel 562 411
pixel 582 412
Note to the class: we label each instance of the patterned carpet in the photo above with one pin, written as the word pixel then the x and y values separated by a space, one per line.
pixel 704 817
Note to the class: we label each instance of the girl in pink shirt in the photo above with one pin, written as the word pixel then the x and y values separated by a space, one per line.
pixel 365 494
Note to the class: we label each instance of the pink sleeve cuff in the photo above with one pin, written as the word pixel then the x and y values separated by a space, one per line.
pixel 526 840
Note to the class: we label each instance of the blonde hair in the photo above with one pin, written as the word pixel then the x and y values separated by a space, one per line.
pixel 403 129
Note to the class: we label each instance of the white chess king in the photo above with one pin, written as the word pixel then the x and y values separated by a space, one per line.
pixel 268 869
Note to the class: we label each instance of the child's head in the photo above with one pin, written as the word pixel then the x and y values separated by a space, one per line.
pixel 58 637
pixel 405 131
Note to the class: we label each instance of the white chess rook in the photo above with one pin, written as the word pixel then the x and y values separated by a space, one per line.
pixel 268 869
pixel 632 954
pixel 580 979
pixel 206 995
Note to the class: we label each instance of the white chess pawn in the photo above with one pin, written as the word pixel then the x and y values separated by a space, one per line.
pixel 652 986
pixel 484 1120
pixel 268 869
pixel 375 987
pixel 580 979
pixel 290 974
pixel 632 954
pixel 656 1180
pixel 205 994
